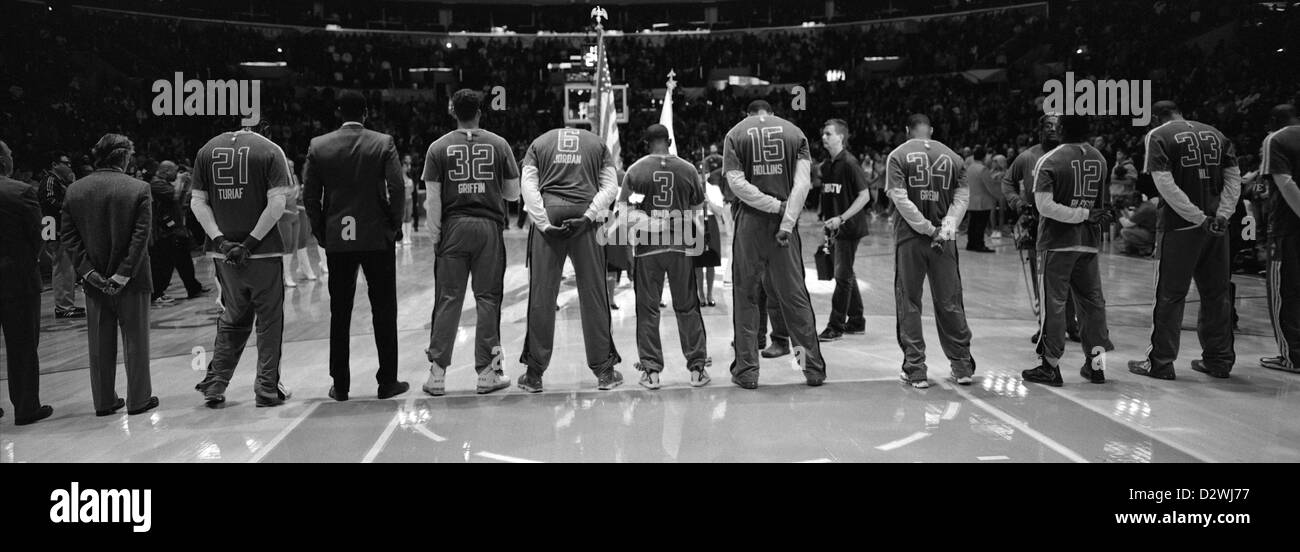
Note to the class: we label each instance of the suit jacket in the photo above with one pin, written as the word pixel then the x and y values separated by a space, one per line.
pixel 20 239
pixel 353 189
pixel 107 223
pixel 983 192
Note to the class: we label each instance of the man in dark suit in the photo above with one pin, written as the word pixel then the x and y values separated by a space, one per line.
pixel 107 221
pixel 20 296
pixel 354 195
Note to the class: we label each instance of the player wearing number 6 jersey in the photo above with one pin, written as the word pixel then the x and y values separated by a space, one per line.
pixel 768 166
pixel 1195 170
pixel 924 179
pixel 470 174
pixel 568 182
pixel 1071 194
pixel 241 183
pixel 664 199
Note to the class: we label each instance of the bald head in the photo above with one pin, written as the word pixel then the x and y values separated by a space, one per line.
pixel 167 171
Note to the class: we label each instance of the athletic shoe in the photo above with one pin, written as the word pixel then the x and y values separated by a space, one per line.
pixel 436 385
pixel 390 390
pixel 1199 366
pixel 1143 368
pixel 776 350
pixel 829 334
pixel 262 402
pixel 214 394
pixel 854 329
pixel 700 378
pixel 1278 363
pixel 120 404
pixel 164 301
pixel 282 391
pixel 530 383
pixel 747 382
pixel 919 384
pixel 1093 375
pixel 200 293
pixel 288 282
pixel 813 379
pixel 74 312
pixel 963 380
pixel 1044 374
pixel 610 379
pixel 649 380
pixel 490 381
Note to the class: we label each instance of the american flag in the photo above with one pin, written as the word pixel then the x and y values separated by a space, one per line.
pixel 607 121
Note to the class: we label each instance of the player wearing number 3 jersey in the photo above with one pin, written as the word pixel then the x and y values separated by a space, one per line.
pixel 1195 170
pixel 470 174
pixel 925 181
pixel 1071 194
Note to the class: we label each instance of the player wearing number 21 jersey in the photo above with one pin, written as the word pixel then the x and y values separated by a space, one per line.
pixel 1194 168
pixel 470 173
pixel 1071 194
pixel 924 179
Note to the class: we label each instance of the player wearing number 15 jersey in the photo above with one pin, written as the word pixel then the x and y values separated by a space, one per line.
pixel 1071 194
pixel 1195 170
pixel 925 180
pixel 768 166
pixel 470 174
pixel 241 184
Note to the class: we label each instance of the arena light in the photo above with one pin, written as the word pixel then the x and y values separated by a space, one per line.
pixel 333 27
pixel 263 64
pixel 279 50
pixel 835 75
pixel 430 70
pixel 812 24
pixel 881 58
pixel 448 45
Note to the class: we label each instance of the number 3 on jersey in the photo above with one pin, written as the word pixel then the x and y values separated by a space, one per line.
pixel 663 198
pixel 470 163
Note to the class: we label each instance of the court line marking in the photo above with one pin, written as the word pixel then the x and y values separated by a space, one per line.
pixel 1137 428
pixel 815 461
pixel 1017 423
pixel 504 458
pixel 904 441
pixel 388 432
pixel 991 458
pixel 951 412
pixel 274 442
pixel 430 434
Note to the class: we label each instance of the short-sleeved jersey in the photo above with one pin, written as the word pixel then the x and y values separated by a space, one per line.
pixel 668 190
pixel 842 180
pixel 238 170
pixel 569 162
pixel 1196 154
pixel 931 173
pixel 471 166
pixel 1075 175
pixel 766 149
pixel 1280 155
pixel 1019 178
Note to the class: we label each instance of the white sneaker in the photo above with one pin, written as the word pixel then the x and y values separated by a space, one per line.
pixel 964 380
pixel 490 381
pixel 285 393
pixel 436 385
pixel 700 378
pixel 920 384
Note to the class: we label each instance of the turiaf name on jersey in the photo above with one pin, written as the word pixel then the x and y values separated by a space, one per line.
pixel 769 169
pixel 1131 98
pixel 210 97
pixel 76 505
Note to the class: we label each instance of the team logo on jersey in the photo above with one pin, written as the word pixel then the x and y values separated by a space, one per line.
pixel 207 98
pixel 1129 98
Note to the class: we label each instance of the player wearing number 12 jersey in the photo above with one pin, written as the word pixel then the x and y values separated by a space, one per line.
pixel 1195 170
pixel 470 174
pixel 768 166
pixel 241 184
pixel 924 179
pixel 1071 194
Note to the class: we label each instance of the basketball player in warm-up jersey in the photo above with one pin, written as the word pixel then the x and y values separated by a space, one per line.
pixel 241 183
pixel 568 182
pixel 1195 170
pixel 664 200
pixel 1280 159
pixel 924 180
pixel 768 166
pixel 1072 198
pixel 470 173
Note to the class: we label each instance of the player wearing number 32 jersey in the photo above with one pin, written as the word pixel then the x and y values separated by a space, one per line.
pixel 1071 194
pixel 768 166
pixel 470 174
pixel 925 180
pixel 1194 168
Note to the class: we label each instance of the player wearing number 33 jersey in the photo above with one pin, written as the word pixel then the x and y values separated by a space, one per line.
pixel 925 180
pixel 1071 194
pixel 1194 168
pixel 470 174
